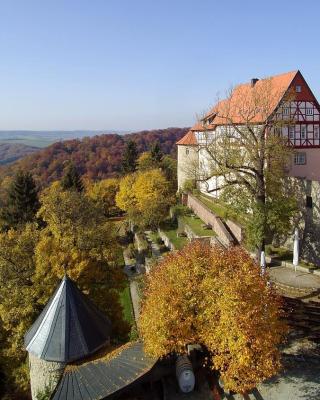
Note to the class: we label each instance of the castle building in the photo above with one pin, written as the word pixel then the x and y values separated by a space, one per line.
pixel 290 99
pixel 69 351
pixel 282 105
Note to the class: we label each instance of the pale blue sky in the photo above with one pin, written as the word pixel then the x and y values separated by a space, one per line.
pixel 141 64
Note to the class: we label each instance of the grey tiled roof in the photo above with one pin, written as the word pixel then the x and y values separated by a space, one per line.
pixel 99 379
pixel 69 328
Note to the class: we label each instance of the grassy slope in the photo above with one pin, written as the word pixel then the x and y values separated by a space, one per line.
pixel 196 225
pixel 221 209
pixel 126 303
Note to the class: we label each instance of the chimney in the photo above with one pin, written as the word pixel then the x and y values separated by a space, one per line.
pixel 254 81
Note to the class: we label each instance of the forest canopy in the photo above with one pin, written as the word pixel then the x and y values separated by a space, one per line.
pixel 95 158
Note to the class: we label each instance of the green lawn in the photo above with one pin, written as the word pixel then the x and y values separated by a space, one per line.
pixel 196 225
pixel 125 299
pixel 155 236
pixel 220 209
pixel 283 254
pixel 178 242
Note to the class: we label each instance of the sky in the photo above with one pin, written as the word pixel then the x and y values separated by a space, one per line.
pixel 143 64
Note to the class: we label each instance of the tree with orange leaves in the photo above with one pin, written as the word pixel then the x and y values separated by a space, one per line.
pixel 215 297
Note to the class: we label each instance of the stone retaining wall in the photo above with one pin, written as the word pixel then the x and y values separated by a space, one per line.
pixel 166 240
pixel 211 219
pixel 236 230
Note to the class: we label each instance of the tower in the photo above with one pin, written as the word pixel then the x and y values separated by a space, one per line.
pixel 188 158
pixel 69 328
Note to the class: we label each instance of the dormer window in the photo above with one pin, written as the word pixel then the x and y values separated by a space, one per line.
pixel 298 89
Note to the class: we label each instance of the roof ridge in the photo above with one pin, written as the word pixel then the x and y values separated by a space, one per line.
pixel 69 328
pixel 268 77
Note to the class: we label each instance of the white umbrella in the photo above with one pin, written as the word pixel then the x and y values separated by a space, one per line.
pixel 263 262
pixel 296 249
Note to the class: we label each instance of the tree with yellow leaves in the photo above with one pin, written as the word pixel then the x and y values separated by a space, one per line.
pixel 145 196
pixel 217 298
pixel 79 240
pixel 104 194
pixel 145 161
pixel 18 302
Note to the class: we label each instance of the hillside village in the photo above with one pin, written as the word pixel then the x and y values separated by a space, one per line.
pixel 173 278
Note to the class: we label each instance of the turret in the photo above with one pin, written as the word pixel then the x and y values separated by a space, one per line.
pixel 70 328
pixel 188 158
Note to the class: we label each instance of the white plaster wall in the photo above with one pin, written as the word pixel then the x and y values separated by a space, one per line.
pixel 188 159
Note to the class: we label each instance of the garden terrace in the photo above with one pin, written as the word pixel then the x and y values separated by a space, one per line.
pixel 197 226
pixel 170 230
pixel 221 209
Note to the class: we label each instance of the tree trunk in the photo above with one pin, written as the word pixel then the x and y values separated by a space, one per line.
pixel 261 206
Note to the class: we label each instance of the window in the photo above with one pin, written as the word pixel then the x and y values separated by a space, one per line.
pixel 286 111
pixel 308 201
pixel 309 111
pixel 187 150
pixel 298 89
pixel 303 132
pixel 316 132
pixel 300 158
pixel 277 130
pixel 291 132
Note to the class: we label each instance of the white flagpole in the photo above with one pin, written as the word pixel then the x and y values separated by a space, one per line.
pixel 296 250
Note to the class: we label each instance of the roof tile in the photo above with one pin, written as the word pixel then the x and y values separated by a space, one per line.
pixel 188 140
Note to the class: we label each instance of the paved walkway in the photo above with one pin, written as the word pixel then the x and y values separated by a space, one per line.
pixel 135 297
pixel 300 381
pixel 298 280
pixel 134 291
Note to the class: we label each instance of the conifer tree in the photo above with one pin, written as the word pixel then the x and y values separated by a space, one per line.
pixel 129 158
pixel 22 200
pixel 156 153
pixel 72 179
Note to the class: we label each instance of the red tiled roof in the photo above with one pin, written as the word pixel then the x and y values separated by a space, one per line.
pixel 197 127
pixel 240 106
pixel 189 139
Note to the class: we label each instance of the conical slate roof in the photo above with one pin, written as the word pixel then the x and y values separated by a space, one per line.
pixel 69 328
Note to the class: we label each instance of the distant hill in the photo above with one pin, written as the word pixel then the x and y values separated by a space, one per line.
pixel 96 157
pixel 13 152
pixel 45 138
